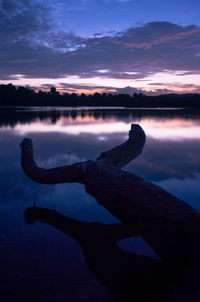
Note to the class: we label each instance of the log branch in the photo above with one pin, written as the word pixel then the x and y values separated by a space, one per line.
pixel 79 172
pixel 63 174
pixel 121 155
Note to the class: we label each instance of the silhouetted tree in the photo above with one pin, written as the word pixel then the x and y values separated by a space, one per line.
pixel 10 96
pixel 54 92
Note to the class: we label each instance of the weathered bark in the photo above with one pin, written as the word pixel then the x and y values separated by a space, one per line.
pixel 168 224
pixel 121 155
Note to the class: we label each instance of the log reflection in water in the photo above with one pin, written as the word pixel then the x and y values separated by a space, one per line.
pixel 127 276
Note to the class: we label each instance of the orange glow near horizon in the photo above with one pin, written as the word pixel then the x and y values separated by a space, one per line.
pixel 85 91
pixel 171 80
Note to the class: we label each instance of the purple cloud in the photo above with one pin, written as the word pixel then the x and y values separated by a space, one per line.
pixel 32 45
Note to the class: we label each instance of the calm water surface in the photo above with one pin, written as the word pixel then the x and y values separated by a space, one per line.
pixel 40 263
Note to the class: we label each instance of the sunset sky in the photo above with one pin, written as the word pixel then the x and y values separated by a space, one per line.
pixel 101 45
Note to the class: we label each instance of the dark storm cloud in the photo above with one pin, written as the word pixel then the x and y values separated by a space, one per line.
pixel 33 46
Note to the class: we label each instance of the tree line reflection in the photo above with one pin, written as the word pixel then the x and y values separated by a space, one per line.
pixel 10 117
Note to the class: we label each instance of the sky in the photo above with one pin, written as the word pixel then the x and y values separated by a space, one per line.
pixel 117 46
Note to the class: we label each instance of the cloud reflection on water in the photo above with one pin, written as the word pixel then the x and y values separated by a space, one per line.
pixel 158 130
pixel 101 122
pixel 171 150
pixel 172 162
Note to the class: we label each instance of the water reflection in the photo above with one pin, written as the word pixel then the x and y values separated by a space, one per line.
pixel 96 121
pixel 170 226
pixel 36 252
pixel 127 276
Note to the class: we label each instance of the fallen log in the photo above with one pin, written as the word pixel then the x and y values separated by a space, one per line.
pixel 168 224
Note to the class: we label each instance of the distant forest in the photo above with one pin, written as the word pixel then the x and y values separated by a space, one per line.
pixel 22 96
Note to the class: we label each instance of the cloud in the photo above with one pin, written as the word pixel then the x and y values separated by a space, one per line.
pixel 189 87
pixel 35 46
pixel 131 90
pixel 83 88
pixel 29 35
pixel 80 88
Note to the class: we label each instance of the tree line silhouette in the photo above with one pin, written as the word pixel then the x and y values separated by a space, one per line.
pixel 23 96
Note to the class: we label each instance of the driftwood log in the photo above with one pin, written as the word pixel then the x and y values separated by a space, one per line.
pixel 169 225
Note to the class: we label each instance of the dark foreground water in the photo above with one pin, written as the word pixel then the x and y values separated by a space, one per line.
pixel 40 263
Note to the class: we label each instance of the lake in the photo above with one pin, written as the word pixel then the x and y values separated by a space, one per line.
pixel 40 263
